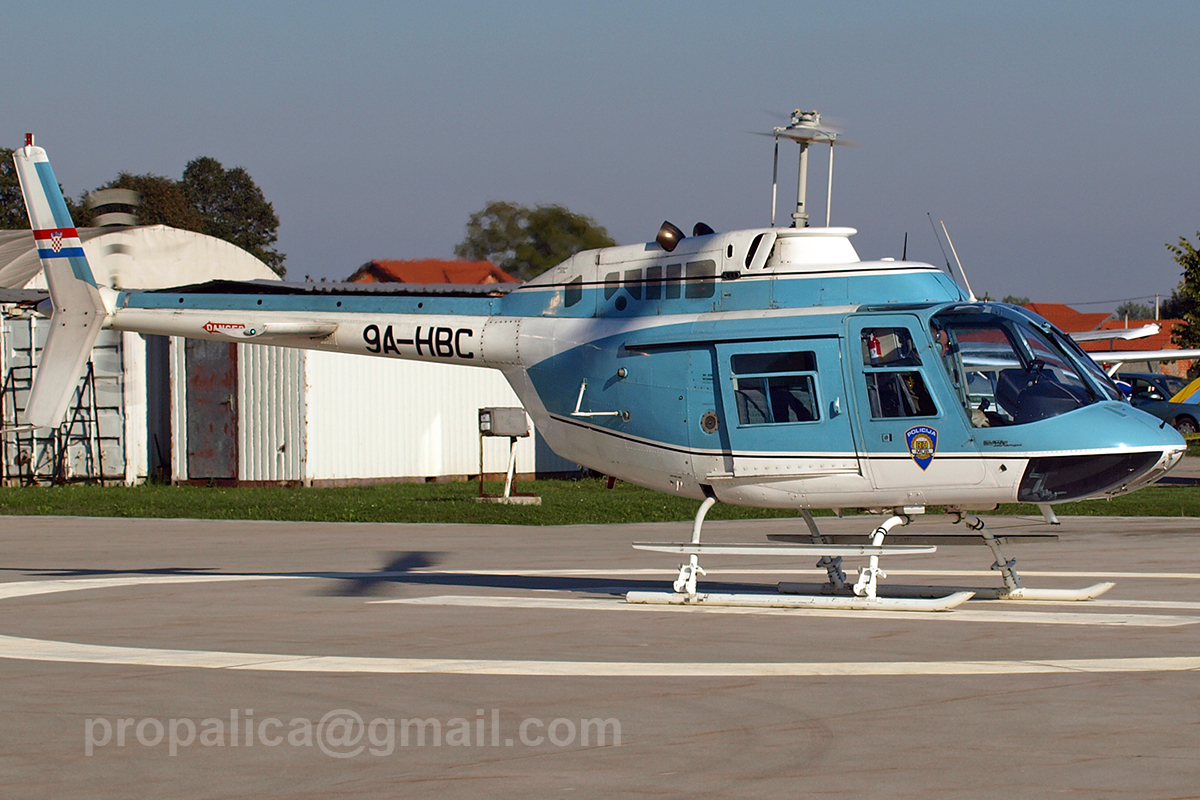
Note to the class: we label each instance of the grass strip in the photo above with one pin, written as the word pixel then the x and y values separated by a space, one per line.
pixel 563 503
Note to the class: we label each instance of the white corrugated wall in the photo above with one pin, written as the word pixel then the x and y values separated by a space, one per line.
pixel 136 437
pixel 271 413
pixel 177 361
pixel 382 418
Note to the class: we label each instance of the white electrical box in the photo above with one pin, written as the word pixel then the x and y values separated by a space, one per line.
pixel 503 422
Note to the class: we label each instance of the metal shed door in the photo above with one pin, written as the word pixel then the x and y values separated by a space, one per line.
pixel 212 418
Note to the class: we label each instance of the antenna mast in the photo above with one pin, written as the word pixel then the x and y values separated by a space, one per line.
pixel 958 261
pixel 804 129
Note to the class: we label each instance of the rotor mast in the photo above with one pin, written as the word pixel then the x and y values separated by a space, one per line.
pixel 804 129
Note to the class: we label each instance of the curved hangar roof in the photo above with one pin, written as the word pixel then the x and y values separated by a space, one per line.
pixel 140 257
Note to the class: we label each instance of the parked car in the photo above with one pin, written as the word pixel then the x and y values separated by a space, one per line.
pixel 1152 392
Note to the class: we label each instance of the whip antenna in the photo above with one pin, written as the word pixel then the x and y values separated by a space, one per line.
pixel 938 236
pixel 957 261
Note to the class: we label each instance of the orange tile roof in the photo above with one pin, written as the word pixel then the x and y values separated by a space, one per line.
pixel 1068 319
pixel 430 270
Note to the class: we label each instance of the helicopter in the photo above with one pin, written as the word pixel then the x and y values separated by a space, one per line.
pixel 767 367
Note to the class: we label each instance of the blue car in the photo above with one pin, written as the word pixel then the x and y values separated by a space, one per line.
pixel 1151 392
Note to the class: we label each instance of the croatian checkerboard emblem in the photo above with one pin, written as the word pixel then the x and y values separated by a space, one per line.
pixel 922 444
pixel 56 241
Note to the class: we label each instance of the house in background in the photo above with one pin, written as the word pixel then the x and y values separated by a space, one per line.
pixel 430 270
pixel 1067 319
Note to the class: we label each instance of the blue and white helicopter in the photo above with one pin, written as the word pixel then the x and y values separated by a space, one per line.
pixel 767 367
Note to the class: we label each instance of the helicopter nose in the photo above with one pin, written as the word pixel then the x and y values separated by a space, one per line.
pixel 1136 450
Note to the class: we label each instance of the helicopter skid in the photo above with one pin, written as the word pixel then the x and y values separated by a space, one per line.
pixel 1023 593
pixel 1028 593
pixel 815 601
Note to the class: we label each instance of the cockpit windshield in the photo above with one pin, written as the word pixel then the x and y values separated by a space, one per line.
pixel 1009 369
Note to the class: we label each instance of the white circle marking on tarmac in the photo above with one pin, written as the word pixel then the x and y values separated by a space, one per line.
pixel 1026 616
pixel 20 648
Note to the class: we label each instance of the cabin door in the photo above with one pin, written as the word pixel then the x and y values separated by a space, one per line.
pixel 914 432
pixel 786 408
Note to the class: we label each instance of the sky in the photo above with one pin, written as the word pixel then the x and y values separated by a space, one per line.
pixel 1056 140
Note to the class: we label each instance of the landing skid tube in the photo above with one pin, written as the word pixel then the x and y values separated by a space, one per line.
pixel 979 593
pixel 849 603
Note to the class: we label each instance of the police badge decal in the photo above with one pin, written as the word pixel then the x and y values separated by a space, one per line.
pixel 922 444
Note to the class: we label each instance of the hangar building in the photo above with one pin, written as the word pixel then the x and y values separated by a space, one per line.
pixel 176 409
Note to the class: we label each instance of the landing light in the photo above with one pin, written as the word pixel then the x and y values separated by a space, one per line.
pixel 669 237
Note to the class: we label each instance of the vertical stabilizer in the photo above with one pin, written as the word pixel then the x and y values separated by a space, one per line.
pixel 79 311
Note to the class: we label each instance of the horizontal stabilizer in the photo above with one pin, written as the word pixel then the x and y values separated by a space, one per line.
pixel 1121 334
pixel 30 297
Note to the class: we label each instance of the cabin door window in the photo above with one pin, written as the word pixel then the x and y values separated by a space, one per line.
pixel 785 407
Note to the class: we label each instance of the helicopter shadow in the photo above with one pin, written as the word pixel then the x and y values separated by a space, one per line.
pixel 402 570
pixel 415 568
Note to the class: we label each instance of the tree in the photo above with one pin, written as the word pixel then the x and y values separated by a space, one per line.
pixel 526 242
pixel 233 208
pixel 1016 301
pixel 1131 310
pixel 1187 333
pixel 1175 306
pixel 164 202
pixel 12 205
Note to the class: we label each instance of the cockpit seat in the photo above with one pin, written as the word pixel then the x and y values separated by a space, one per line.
pixel 1009 385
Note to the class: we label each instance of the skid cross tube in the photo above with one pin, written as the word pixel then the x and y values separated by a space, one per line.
pixel 868 577
pixel 686 582
pixel 1013 590
pixel 864 598
pixel 831 564
pixel 1007 567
